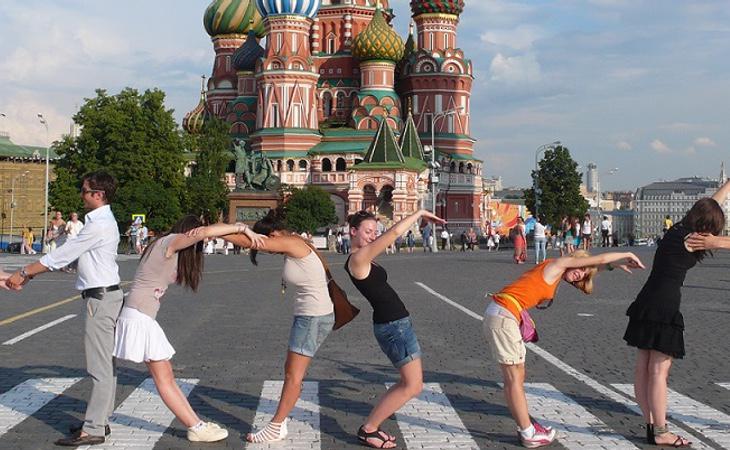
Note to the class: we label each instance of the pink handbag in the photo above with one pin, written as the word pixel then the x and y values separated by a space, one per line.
pixel 527 327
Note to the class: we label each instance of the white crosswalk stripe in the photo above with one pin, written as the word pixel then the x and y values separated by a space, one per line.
pixel 709 422
pixel 303 425
pixel 577 428
pixel 142 418
pixel 430 421
pixel 23 400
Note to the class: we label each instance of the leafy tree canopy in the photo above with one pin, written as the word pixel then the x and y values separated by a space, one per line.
pixel 206 192
pixel 133 137
pixel 309 208
pixel 558 183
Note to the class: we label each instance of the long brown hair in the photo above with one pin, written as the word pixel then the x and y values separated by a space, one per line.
pixel 189 259
pixel 705 216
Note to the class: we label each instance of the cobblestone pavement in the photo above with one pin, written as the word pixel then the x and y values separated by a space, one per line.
pixel 231 339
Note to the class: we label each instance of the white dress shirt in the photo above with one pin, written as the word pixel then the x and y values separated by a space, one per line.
pixel 96 249
pixel 73 228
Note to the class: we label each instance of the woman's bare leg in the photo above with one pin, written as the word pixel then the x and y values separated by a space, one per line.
pixel 641 384
pixel 514 392
pixel 171 394
pixel 295 369
pixel 658 373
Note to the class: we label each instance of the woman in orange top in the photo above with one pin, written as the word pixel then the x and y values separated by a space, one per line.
pixel 504 314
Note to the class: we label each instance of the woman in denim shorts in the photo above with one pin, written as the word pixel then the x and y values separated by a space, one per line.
pixel 391 321
pixel 314 314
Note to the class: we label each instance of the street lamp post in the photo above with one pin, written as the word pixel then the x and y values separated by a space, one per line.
pixel 435 166
pixel 12 204
pixel 536 184
pixel 45 203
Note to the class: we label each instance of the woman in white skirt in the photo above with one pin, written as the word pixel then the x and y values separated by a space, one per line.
pixel 172 258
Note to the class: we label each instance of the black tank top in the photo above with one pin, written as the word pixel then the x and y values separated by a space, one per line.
pixel 387 306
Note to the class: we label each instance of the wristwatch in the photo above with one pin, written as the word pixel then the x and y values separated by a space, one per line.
pixel 25 274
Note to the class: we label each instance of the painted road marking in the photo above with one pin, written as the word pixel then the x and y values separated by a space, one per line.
pixel 38 330
pixel 142 418
pixel 303 422
pixel 25 399
pixel 569 370
pixel 577 428
pixel 429 421
pixel 709 422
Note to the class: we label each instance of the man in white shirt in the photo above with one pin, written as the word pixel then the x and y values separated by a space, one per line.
pixel 605 231
pixel 74 226
pixel 95 247
pixel 540 242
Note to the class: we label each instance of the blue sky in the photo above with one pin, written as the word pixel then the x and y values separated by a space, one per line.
pixel 642 86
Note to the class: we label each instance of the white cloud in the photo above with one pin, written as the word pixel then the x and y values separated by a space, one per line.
pixel 660 147
pixel 704 142
pixel 515 69
pixel 623 145
pixel 519 38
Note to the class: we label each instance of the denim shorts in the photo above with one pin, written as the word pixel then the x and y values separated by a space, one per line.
pixel 308 333
pixel 398 341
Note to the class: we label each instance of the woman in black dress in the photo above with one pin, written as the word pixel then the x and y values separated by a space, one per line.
pixel 656 326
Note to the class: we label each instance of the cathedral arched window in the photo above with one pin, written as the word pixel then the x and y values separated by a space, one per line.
pixel 326 165
pixel 302 165
pixel 327 104
pixel 331 44
pixel 469 168
pixel 452 167
pixel 290 165
pixel 340 100
pixel 461 167
pixel 279 165
pixel 340 165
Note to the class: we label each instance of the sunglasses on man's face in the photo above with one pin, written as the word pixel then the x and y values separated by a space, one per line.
pixel 85 191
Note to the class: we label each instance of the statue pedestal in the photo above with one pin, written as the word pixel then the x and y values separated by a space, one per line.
pixel 250 206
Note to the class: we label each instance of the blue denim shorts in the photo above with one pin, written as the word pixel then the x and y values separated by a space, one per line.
pixel 308 333
pixel 398 341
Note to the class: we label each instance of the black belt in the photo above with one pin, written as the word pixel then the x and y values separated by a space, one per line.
pixel 99 292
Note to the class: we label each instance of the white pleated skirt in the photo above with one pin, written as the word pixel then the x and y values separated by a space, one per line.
pixel 139 338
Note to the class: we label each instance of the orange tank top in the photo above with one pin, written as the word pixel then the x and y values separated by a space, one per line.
pixel 528 291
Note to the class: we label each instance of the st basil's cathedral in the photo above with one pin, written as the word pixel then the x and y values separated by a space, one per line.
pixel 335 98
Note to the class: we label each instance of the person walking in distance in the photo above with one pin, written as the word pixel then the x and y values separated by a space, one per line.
pixel 540 241
pixel 605 232
pixel 587 232
pixel 28 240
pixel 391 321
pixel 56 233
pixel 95 247
pixel 74 225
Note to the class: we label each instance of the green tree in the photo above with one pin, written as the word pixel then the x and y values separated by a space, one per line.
pixel 207 194
pixel 133 137
pixel 309 208
pixel 558 182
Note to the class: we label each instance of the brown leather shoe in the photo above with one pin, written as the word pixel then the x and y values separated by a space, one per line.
pixel 76 428
pixel 76 440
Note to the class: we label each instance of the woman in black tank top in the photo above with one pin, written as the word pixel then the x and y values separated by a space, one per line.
pixel 391 321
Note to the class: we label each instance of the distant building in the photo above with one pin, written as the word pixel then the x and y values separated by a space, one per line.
pixel 22 179
pixel 592 178
pixel 672 198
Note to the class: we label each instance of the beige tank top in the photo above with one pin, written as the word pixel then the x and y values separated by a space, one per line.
pixel 154 274
pixel 307 276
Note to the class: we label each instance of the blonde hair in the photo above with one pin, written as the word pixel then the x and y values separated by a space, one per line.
pixel 585 284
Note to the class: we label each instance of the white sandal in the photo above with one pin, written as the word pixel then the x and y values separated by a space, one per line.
pixel 272 432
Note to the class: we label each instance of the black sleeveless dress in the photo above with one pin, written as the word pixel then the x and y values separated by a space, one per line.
pixel 655 322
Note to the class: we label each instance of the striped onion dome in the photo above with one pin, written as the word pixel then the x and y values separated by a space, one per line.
pixel 306 8
pixel 233 17
pixel 245 56
pixel 194 120
pixel 455 7
pixel 378 41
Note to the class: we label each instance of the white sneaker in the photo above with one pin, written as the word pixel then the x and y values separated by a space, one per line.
pixel 208 432
pixel 543 436
pixel 272 432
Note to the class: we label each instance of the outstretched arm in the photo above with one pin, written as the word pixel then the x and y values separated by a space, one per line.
pixel 293 246
pixel 4 276
pixel 626 261
pixel 364 256
pixel 183 241
pixel 722 193
pixel 698 242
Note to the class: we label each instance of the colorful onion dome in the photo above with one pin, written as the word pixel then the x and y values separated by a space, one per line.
pixel 233 17
pixel 194 120
pixel 245 56
pixel 306 8
pixel 455 7
pixel 378 41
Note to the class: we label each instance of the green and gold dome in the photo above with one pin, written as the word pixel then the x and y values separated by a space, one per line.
pixel 378 41
pixel 454 7
pixel 233 17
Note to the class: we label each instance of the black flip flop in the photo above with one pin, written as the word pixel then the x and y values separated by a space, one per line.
pixel 363 437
